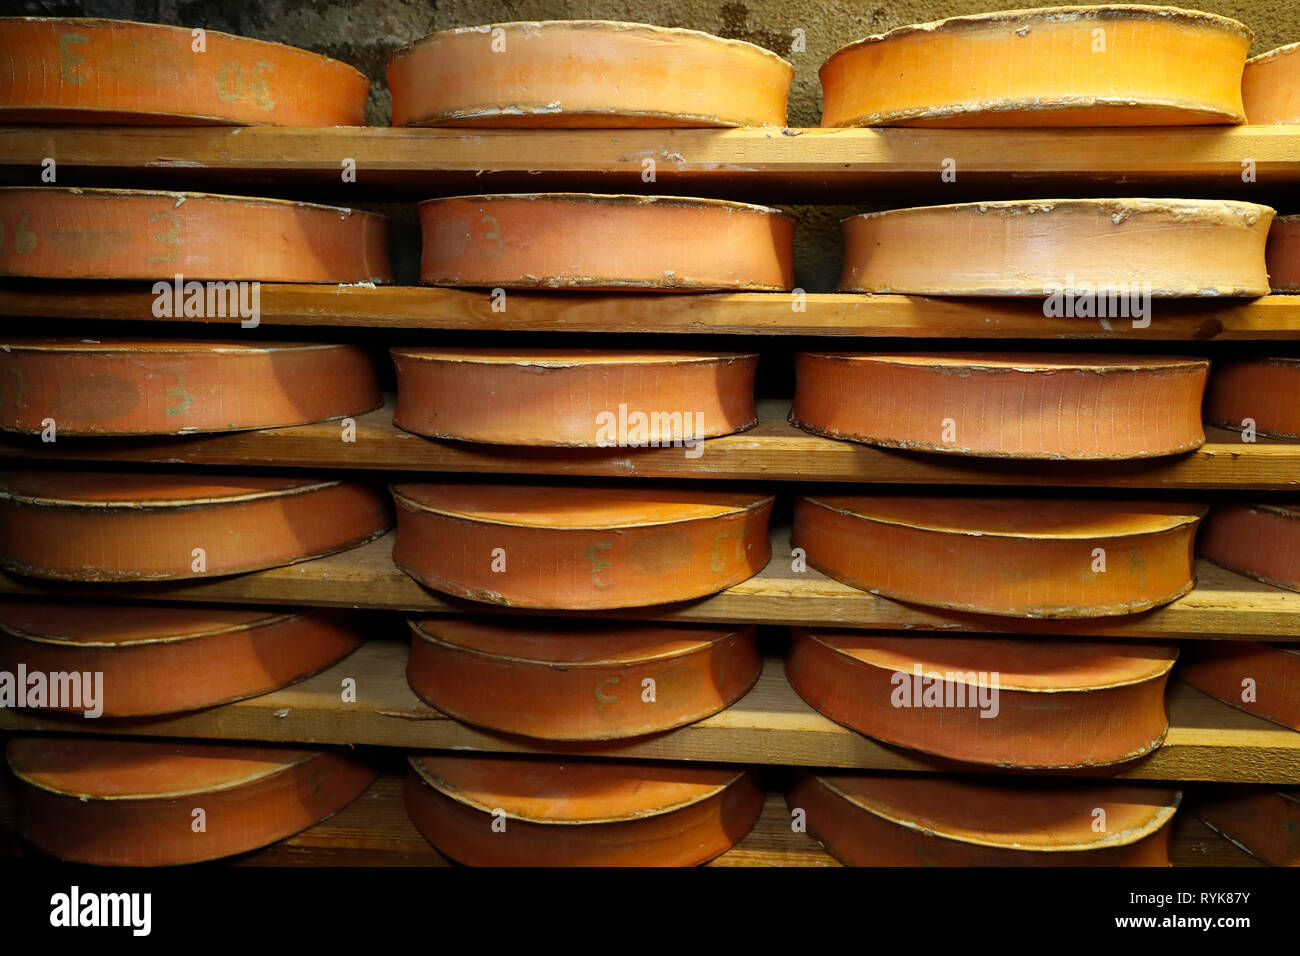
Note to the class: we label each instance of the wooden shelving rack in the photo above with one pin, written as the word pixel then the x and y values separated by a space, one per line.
pixel 773 450
pixel 785 165
pixel 1223 605
pixel 1208 741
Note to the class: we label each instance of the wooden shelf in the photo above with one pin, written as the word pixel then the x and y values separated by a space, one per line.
pixel 1223 606
pixel 1207 740
pixel 773 450
pixel 1273 317
pixel 787 164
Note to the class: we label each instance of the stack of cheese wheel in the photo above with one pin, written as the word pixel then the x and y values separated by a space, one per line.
pixel 1255 395
pixel 579 547
pixel 598 241
pixel 575 397
pixel 1033 558
pixel 1101 258
pixel 1011 703
pixel 81 70
pixel 867 819
pixel 1257 677
pixel 586 73
pixel 224 654
pixel 579 680
pixel 170 387
pixel 1258 540
pixel 1263 821
pixel 1057 66
pixel 108 526
pixel 67 233
pixel 1270 87
pixel 139 802
pixel 1066 406
pixel 533 811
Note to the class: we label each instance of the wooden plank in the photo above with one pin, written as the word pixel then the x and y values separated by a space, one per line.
pixel 739 313
pixel 1223 605
pixel 789 164
pixel 773 450
pixel 771 724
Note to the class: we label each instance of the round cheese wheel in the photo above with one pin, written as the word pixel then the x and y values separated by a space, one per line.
pixel 597 241
pixel 914 819
pixel 585 73
pixel 135 802
pixel 530 811
pixel 111 526
pixel 1085 257
pixel 1114 65
pixel 97 72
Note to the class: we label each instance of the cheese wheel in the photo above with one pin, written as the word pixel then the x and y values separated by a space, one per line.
pixel 98 72
pixel 597 241
pixel 1262 390
pixel 110 526
pixel 1117 65
pixel 1030 558
pixel 578 680
pixel 586 397
pixel 1270 87
pixel 913 819
pixel 1260 678
pixel 1283 252
pixel 579 547
pixel 118 386
pixel 585 73
pixel 579 813
pixel 1261 541
pixel 1068 406
pixel 1011 703
pixel 1263 821
pixel 224 654
pixel 131 802
pixel 66 233
pixel 1106 256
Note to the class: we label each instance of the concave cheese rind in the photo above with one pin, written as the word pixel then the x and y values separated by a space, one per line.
pixel 226 654
pixel 1257 394
pixel 1261 541
pixel 1270 87
pixel 1057 66
pixel 579 547
pixel 1074 407
pixel 586 73
pixel 1026 558
pixel 1283 250
pixel 1257 677
pixel 930 820
pixel 94 72
pixel 1107 255
pixel 131 802
pixel 569 812
pixel 1263 821
pixel 605 241
pixel 588 397
pixel 69 233
pixel 173 387
pixel 1006 702
pixel 579 680
pixel 109 526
